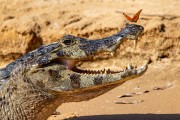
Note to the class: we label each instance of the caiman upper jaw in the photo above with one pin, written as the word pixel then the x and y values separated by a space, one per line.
pixel 81 48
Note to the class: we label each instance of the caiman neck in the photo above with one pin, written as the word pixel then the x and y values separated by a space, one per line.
pixel 21 100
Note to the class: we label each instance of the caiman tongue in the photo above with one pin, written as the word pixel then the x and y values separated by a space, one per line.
pixel 69 63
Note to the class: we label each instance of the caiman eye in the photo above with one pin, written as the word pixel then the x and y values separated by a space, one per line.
pixel 68 42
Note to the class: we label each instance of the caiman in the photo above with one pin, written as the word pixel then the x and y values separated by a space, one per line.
pixel 33 86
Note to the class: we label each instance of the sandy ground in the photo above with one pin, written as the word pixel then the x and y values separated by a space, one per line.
pixel 26 25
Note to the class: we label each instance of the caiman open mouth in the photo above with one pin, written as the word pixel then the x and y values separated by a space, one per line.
pixel 100 55
pixel 73 64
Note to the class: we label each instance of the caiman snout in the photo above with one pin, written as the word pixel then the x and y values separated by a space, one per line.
pixel 110 44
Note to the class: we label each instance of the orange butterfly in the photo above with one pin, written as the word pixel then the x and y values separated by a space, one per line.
pixel 135 17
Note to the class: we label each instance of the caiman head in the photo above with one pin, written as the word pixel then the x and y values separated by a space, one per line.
pixel 60 74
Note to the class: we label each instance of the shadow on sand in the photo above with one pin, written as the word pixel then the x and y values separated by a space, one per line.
pixel 130 117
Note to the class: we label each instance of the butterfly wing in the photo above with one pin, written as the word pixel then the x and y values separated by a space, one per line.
pixel 128 17
pixel 136 16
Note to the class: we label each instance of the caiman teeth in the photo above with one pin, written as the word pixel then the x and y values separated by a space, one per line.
pixel 103 55
pixel 112 54
pixel 107 71
pixel 104 71
pixel 130 66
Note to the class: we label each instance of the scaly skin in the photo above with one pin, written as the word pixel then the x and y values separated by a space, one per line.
pixel 33 86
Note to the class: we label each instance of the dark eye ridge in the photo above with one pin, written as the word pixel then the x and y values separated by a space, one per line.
pixel 68 42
